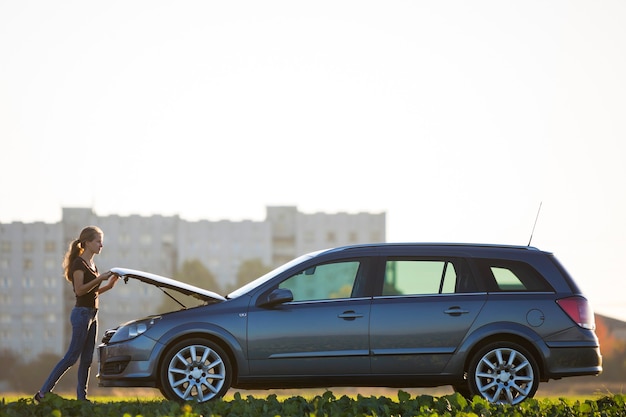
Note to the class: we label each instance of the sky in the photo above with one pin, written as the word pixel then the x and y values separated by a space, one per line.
pixel 457 119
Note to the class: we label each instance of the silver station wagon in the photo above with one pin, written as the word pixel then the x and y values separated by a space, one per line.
pixel 489 320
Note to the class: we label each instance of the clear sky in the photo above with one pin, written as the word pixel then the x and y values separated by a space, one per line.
pixel 456 118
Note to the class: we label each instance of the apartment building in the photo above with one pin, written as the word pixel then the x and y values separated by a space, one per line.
pixel 35 300
pixel 32 307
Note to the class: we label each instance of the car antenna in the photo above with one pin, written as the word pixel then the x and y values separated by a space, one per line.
pixel 535 224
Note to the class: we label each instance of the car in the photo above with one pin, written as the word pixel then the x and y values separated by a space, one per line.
pixel 488 320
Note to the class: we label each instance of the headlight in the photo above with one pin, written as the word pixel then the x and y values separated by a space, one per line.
pixel 133 329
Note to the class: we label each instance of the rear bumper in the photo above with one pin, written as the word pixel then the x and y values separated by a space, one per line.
pixel 573 361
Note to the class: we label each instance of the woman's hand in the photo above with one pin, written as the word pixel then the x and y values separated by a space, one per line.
pixel 112 277
pixel 105 276
pixel 82 288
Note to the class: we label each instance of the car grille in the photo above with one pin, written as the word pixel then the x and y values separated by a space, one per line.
pixel 114 368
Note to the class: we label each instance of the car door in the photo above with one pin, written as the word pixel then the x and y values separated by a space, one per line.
pixel 323 331
pixel 424 311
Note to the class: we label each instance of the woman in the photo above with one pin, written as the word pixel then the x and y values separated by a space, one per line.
pixel 82 272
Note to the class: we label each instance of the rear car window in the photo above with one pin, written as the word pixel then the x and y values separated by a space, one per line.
pixel 420 276
pixel 506 275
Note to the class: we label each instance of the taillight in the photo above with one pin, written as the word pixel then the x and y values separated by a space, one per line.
pixel 579 310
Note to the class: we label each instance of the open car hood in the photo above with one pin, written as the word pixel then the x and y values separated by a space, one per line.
pixel 168 283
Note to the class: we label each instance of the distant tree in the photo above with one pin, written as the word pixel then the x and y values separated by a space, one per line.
pixel 10 362
pixel 249 270
pixel 192 272
pixel 610 345
pixel 26 377
pixel 195 273
pixel 613 351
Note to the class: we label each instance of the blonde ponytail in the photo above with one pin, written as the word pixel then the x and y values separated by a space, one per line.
pixel 76 248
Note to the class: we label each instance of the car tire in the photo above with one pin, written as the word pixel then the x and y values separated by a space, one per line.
pixel 195 370
pixel 503 373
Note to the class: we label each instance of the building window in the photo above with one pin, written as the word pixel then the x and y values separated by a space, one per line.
pixel 27 283
pixel 146 239
pixel 5 246
pixel 124 239
pixel 28 247
pixel 50 282
pixel 28 264
pixel 50 263
pixel 49 299
pixel 50 246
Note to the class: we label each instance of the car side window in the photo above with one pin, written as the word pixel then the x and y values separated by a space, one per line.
pixel 426 276
pixel 513 276
pixel 506 279
pixel 324 282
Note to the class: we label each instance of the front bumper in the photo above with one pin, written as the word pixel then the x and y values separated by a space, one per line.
pixel 132 363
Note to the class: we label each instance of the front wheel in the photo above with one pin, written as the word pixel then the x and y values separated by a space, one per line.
pixel 195 370
pixel 503 373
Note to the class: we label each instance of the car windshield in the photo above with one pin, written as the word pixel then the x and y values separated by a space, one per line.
pixel 253 284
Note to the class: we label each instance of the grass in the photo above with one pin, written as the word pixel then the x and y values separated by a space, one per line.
pixel 581 390
pixel 9 398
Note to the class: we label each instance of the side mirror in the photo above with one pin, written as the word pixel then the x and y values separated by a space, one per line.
pixel 277 296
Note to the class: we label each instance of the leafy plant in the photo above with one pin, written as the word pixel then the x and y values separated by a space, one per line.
pixel 325 405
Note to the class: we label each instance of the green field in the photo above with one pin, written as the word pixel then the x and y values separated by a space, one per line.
pixel 327 404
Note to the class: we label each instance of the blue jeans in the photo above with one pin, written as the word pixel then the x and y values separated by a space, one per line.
pixel 84 330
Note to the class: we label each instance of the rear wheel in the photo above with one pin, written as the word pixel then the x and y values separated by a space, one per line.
pixel 195 370
pixel 503 373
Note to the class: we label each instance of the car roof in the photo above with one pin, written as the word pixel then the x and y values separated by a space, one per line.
pixel 472 246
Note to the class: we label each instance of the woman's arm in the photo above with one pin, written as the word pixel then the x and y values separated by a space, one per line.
pixel 110 284
pixel 82 288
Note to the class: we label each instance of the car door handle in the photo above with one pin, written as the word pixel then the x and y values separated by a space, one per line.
pixel 350 315
pixel 455 311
